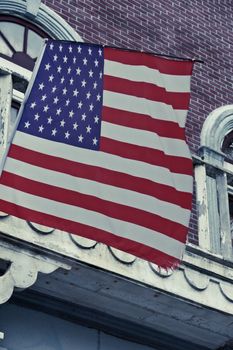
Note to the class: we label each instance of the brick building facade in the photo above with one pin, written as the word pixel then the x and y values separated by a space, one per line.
pixel 116 295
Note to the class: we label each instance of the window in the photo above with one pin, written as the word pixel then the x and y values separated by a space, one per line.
pixel 214 180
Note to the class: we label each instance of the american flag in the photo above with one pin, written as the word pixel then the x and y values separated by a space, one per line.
pixel 100 150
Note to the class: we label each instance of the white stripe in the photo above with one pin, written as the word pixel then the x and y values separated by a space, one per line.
pixel 117 227
pixel 106 192
pixel 173 147
pixel 173 83
pixel 157 110
pixel 100 159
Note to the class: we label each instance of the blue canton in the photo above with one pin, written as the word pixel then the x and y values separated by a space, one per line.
pixel 65 103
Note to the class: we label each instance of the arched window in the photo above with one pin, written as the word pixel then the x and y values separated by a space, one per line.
pixel 214 179
pixel 20 41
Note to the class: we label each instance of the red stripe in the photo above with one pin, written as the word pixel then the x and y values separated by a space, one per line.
pixel 124 244
pixel 178 100
pixel 110 209
pixel 101 175
pixel 148 155
pixel 164 65
pixel 162 128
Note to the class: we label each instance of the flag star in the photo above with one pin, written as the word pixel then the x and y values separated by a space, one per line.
pixel 41 86
pixel 88 95
pixel 59 69
pixel 47 66
pixel 54 89
pixel 41 128
pixel 71 113
pixel 89 51
pixel 95 141
pixel 95 85
pixel 80 138
pixel 50 119
pixel 46 108
pixel 78 71
pixel 64 91
pixel 55 100
pixel 79 49
pixel 70 48
pixel 96 63
pixel 96 119
pixel 27 124
pixel 62 123
pixel 84 83
pixel 75 92
pixel 58 112
pixel 80 104
pixel 51 77
pixel 60 48
pixel 90 73
pixel 84 117
pixel 67 135
pixel 62 80
pixel 43 97
pixel 85 61
pixel 91 107
pixel 100 52
pixel 71 81
pixel 55 57
pixel 51 46
pixel 75 126
pixel 36 117
pixel 101 74
pixel 65 58
pixel 88 128
pixel 98 97
pixel 67 102
pixel 74 59
pixel 33 105
pixel 54 131
pixel 69 70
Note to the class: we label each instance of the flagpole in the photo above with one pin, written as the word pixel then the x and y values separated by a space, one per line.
pixel 28 90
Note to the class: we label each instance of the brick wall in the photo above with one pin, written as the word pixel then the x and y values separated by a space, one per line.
pixel 186 28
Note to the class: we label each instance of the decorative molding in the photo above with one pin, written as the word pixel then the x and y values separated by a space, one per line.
pixel 122 257
pixel 45 18
pixel 23 270
pixel 33 8
pixel 82 242
pixel 216 126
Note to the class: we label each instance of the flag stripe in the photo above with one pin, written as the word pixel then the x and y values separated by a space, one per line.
pixel 104 176
pixel 103 191
pixel 109 208
pixel 148 91
pixel 138 249
pixel 145 236
pixel 172 83
pixel 157 110
pixel 148 139
pixel 147 155
pixel 170 67
pixel 162 128
pixel 161 175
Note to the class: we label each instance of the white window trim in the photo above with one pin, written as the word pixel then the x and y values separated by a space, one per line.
pixel 211 181
pixel 44 17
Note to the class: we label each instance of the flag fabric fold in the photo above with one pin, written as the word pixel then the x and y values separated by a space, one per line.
pixel 100 150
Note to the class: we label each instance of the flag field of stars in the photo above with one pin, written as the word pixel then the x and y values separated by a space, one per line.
pixel 65 102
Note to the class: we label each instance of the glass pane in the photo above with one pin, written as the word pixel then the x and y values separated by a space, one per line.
pixel 14 33
pixel 4 48
pixel 35 43
pixel 19 84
